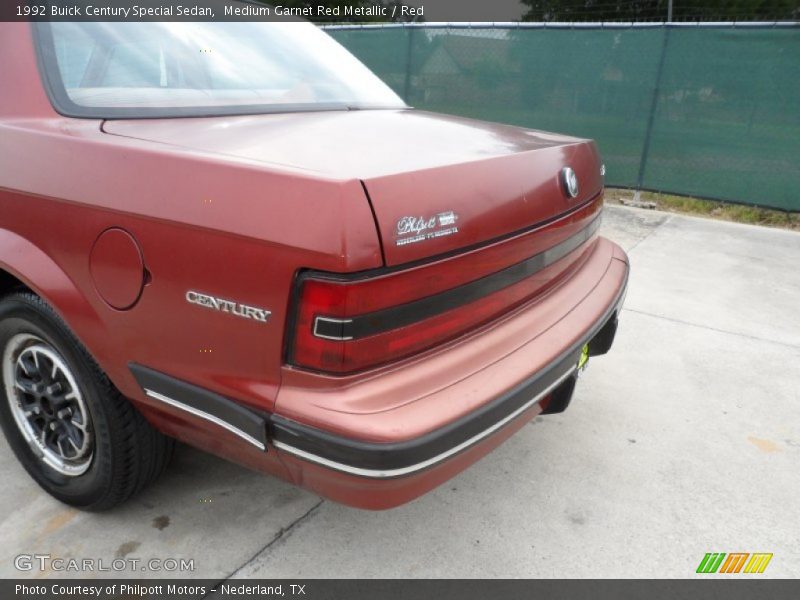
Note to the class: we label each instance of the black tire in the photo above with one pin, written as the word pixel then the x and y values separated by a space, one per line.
pixel 127 453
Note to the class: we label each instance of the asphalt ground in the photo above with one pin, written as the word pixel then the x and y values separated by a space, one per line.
pixel 684 440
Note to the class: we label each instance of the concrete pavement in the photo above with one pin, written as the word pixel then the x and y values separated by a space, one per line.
pixel 684 440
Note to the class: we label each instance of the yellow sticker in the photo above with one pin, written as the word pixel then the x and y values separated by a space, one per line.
pixel 584 357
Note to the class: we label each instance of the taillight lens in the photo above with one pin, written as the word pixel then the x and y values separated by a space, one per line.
pixel 345 325
pixel 350 326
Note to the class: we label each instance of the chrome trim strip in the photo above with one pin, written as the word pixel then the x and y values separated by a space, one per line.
pixel 204 415
pixel 317 321
pixel 379 474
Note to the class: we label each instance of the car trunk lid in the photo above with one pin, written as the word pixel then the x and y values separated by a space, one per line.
pixel 436 211
pixel 436 183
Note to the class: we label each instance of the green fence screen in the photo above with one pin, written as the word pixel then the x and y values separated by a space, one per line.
pixel 711 111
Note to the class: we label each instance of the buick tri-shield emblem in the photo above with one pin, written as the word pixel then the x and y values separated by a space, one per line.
pixel 411 230
pixel 570 181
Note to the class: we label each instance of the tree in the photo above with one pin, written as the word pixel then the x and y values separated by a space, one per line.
pixel 656 10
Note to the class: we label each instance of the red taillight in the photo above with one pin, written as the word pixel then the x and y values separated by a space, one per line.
pixel 344 325
pixel 347 326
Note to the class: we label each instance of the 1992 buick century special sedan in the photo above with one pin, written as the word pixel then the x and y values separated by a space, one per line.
pixel 236 236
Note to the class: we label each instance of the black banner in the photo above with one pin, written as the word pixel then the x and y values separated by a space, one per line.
pixel 355 11
pixel 444 589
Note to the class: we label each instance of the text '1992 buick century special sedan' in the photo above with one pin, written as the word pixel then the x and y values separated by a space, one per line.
pixel 236 236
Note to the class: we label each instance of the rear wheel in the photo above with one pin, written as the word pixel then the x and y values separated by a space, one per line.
pixel 69 427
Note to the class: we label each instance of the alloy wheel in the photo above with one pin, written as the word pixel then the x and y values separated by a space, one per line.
pixel 48 405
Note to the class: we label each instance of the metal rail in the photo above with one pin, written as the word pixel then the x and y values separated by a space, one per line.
pixel 566 25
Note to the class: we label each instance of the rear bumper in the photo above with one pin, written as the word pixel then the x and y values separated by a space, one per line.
pixel 398 459
pixel 347 442
pixel 382 439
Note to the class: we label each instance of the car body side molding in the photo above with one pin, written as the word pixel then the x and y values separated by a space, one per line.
pixel 202 403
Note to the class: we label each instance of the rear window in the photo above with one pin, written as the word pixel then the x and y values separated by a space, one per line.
pixel 129 70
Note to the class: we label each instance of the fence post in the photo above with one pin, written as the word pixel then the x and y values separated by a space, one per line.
pixel 407 85
pixel 653 106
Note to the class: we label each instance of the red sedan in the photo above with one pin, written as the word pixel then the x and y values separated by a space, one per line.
pixel 236 236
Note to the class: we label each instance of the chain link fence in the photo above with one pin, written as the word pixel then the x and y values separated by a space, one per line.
pixel 708 110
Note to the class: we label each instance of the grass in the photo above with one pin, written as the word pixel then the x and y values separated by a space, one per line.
pixel 738 213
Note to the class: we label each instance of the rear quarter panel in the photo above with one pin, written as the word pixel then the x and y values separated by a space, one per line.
pixel 227 227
